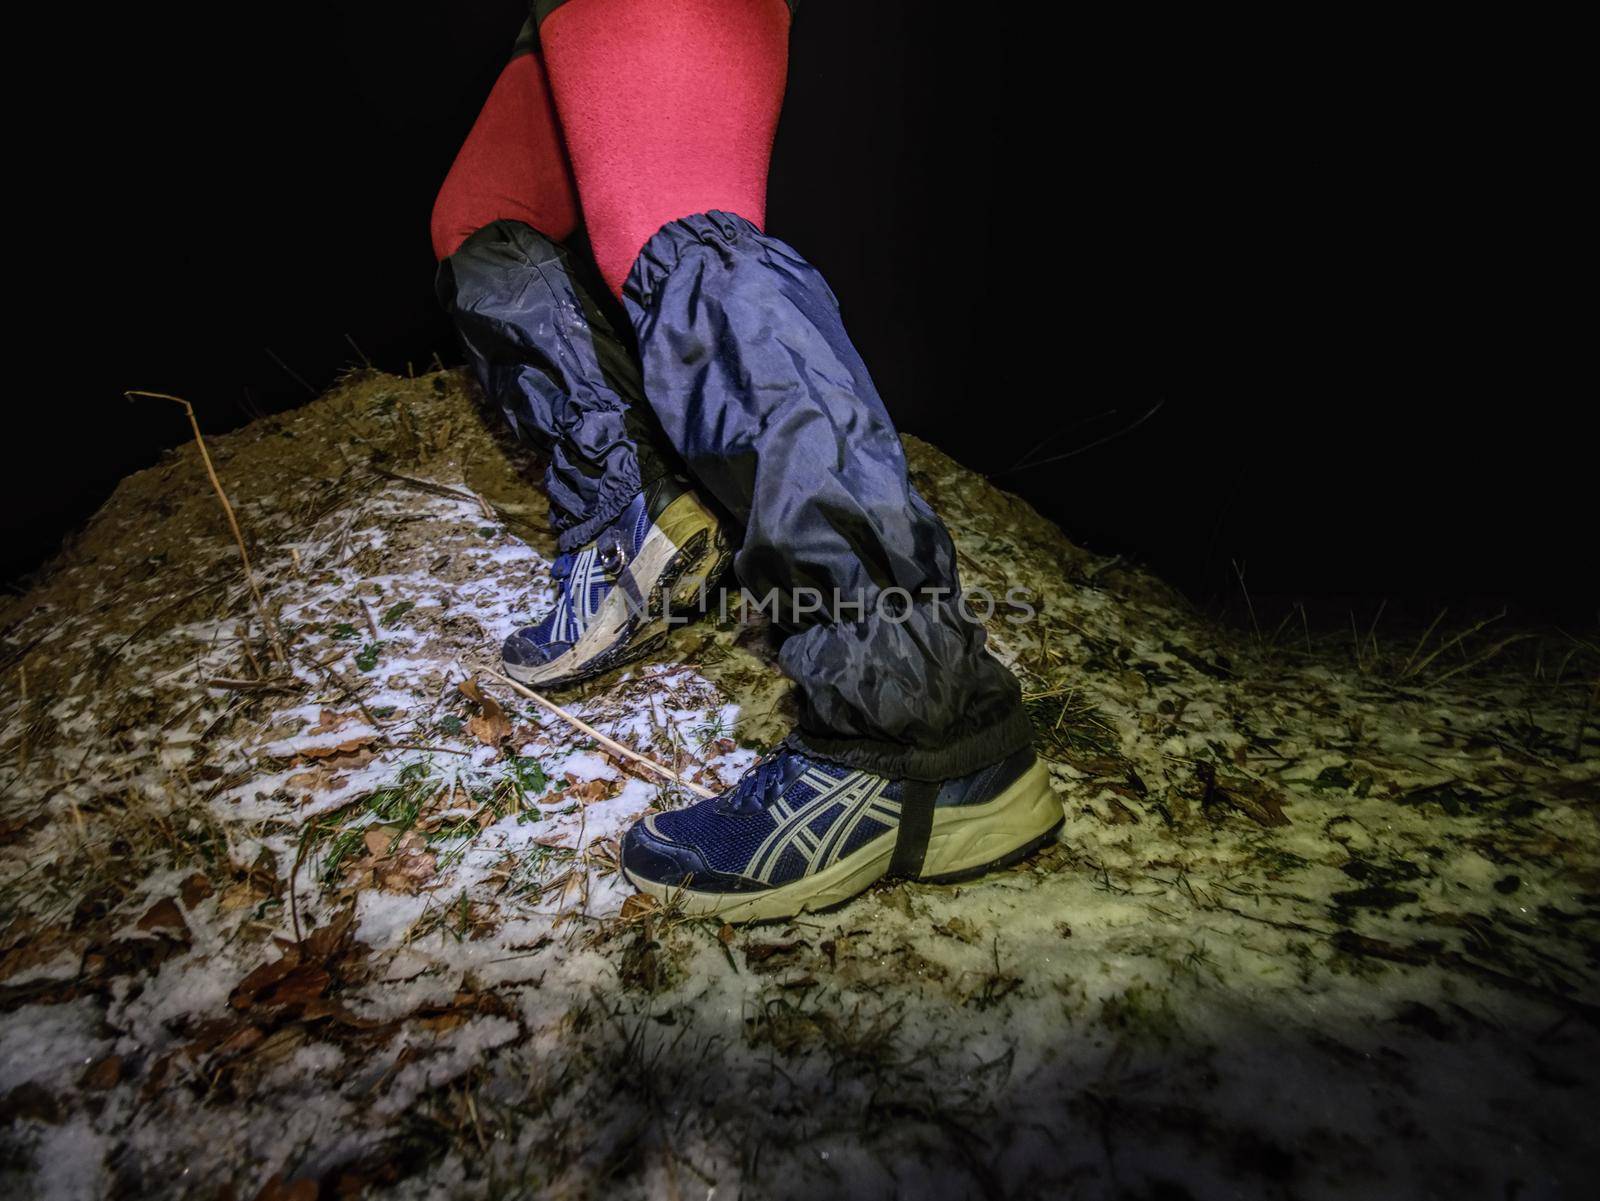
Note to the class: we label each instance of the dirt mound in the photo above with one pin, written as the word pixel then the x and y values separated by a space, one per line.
pixel 291 905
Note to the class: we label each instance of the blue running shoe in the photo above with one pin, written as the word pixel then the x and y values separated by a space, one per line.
pixel 614 597
pixel 796 834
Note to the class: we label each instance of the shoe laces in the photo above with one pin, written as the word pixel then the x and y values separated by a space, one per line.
pixel 764 782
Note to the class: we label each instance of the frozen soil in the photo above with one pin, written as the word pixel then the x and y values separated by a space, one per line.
pixel 300 915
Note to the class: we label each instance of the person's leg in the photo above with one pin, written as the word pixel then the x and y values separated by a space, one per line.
pixel 544 350
pixel 756 383
pixel 512 166
pixel 668 109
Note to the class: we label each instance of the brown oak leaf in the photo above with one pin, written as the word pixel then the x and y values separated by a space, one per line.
pixel 491 727
pixel 165 915
pixel 194 889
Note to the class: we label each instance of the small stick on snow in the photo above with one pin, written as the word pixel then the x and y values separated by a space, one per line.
pixel 610 744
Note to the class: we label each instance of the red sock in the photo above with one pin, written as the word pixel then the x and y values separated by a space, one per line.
pixel 669 108
pixel 512 165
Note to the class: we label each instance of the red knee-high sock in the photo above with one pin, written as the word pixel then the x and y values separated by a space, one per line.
pixel 512 165
pixel 668 108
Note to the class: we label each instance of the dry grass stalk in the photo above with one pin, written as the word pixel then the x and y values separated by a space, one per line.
pixel 1480 660
pixel 1423 641
pixel 1458 640
pixel 233 522
pixel 1583 721
pixel 1238 570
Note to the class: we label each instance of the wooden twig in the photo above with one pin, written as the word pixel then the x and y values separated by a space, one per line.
pixel 233 522
pixel 426 485
pixel 345 691
pixel 422 746
pixel 610 744
pixel 285 684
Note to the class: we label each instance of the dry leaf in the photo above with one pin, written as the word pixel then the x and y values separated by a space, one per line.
pixel 339 763
pixel 164 915
pixel 20 930
pixel 30 1100
pixel 38 950
pixel 240 1041
pixel 244 895
pixel 326 942
pixel 276 1190
pixel 587 791
pixel 329 719
pixel 761 952
pixel 278 1046
pixel 194 890
pixel 298 986
pixel 639 904
pixel 1260 802
pixel 348 747
pixel 448 1020
pixel 407 872
pixel 104 1073
pixel 258 981
pixel 317 779
pixel 491 727
pixel 594 790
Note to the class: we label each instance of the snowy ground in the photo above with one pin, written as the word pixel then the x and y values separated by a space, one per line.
pixel 304 917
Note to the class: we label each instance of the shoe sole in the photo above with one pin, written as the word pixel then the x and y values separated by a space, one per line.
pixel 684 548
pixel 966 841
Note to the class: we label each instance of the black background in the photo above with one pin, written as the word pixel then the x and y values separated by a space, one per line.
pixel 1256 296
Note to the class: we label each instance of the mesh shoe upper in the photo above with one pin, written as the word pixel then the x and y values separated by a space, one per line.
pixel 582 579
pixel 788 817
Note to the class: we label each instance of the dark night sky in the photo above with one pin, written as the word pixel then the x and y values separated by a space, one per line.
pixel 1324 283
